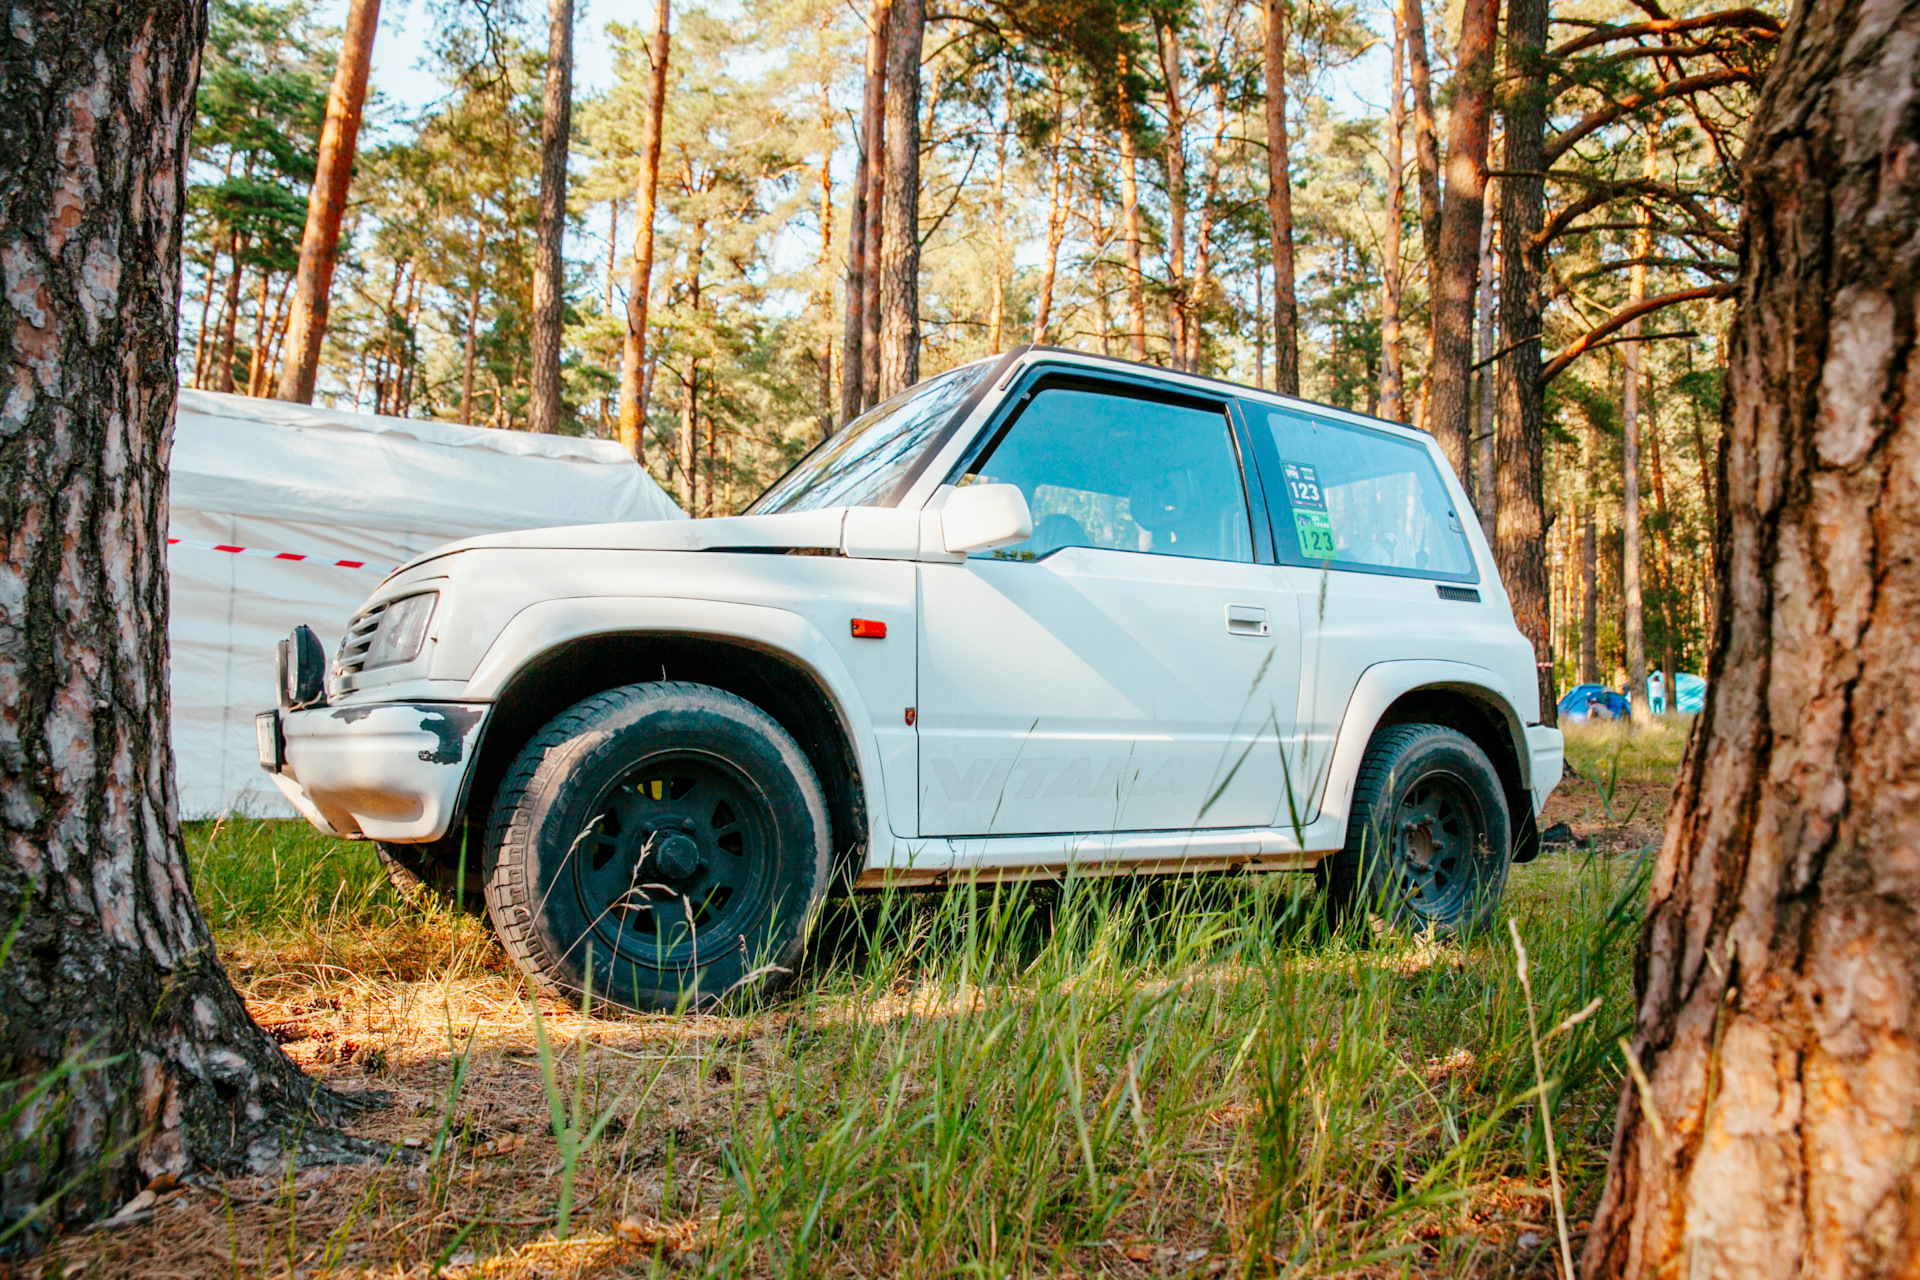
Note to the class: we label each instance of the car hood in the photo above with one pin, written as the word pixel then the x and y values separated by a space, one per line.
pixel 788 531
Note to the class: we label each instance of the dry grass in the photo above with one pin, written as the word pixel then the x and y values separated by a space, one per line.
pixel 1124 1080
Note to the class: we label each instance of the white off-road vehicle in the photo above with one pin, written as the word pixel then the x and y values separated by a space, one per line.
pixel 1043 613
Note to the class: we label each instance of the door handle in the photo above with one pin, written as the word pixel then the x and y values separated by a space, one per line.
pixel 1247 620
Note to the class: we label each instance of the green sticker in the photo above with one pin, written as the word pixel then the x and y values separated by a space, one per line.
pixel 1315 531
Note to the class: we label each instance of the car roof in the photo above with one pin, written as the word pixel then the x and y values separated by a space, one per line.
pixel 1069 355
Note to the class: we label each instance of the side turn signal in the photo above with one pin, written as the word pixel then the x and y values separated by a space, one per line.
pixel 869 629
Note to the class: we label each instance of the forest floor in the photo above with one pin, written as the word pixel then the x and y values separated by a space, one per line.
pixel 1102 1079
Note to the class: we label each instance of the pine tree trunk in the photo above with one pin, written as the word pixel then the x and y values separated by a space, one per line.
pixel 854 350
pixel 900 204
pixel 112 970
pixel 997 277
pixel 1777 980
pixel 1426 141
pixel 470 348
pixel 1200 289
pixel 1636 623
pixel 1486 492
pixel 689 427
pixel 874 123
pixel 1286 308
pixel 1520 530
pixel 1176 160
pixel 824 292
pixel 646 190
pixel 327 203
pixel 549 245
pixel 1589 598
pixel 230 317
pixel 1455 265
pixel 1130 224
pixel 1056 232
pixel 1391 379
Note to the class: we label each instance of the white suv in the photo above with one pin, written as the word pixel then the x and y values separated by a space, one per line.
pixel 1043 612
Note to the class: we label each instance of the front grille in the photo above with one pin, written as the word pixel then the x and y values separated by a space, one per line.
pixel 353 647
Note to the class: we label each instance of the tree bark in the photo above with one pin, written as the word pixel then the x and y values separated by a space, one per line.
pixel 1520 531
pixel 1057 195
pixel 112 971
pixel 824 298
pixel 1589 598
pixel 997 275
pixel 327 203
pixel 1199 290
pixel 1485 451
pixel 1286 308
pixel 646 191
pixel 875 124
pixel 230 317
pixel 1668 595
pixel 469 349
pixel 1392 381
pixel 900 212
pixel 1455 264
pixel 1175 150
pixel 1636 622
pixel 1777 980
pixel 689 429
pixel 549 245
pixel 1426 141
pixel 855 353
pixel 1130 223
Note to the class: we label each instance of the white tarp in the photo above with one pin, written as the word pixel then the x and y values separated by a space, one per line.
pixel 274 478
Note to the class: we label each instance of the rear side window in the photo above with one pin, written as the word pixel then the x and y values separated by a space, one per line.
pixel 1349 497
pixel 1124 474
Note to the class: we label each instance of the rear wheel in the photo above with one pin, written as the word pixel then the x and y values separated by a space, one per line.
pixel 662 845
pixel 1429 839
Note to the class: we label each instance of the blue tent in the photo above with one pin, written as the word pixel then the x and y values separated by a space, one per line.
pixel 1598 702
pixel 1691 691
pixel 1593 702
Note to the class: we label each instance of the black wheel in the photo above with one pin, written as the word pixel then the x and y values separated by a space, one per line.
pixel 420 873
pixel 663 845
pixel 1428 837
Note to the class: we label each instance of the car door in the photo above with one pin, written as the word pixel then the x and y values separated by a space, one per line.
pixel 1380 552
pixel 1129 667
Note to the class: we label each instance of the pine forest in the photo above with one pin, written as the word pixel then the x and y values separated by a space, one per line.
pixel 1514 227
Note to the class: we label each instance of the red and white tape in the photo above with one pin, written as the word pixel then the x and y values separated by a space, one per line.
pixel 264 553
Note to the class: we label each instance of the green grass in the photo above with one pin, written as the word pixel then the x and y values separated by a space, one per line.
pixel 1185 1076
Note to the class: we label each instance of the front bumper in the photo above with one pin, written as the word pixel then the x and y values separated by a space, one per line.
pixel 1547 749
pixel 378 771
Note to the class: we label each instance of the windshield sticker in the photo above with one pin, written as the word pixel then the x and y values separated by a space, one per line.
pixel 1311 523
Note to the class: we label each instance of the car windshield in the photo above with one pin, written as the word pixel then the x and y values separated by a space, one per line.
pixel 866 459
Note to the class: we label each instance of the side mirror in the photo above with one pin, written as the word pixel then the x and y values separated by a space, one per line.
pixel 981 517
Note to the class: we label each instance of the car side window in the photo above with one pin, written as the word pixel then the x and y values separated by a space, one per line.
pixel 1122 473
pixel 1351 497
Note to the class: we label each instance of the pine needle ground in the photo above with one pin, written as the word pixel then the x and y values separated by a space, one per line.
pixel 1188 1077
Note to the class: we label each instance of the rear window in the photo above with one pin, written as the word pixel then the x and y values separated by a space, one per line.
pixel 1349 497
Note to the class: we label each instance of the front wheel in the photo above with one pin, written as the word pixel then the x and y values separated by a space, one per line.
pixel 1429 839
pixel 660 845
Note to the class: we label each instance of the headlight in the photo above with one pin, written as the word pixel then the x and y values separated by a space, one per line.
pixel 401 632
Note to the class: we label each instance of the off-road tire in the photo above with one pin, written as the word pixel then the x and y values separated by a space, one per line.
pixel 612 834
pixel 420 873
pixel 1429 838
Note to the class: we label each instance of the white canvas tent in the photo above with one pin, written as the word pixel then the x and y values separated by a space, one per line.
pixel 256 482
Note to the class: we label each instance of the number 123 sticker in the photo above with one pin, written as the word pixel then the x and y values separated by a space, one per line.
pixel 1311 523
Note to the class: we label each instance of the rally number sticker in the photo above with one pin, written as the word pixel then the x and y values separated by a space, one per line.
pixel 1315 532
pixel 1311 523
pixel 1303 487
